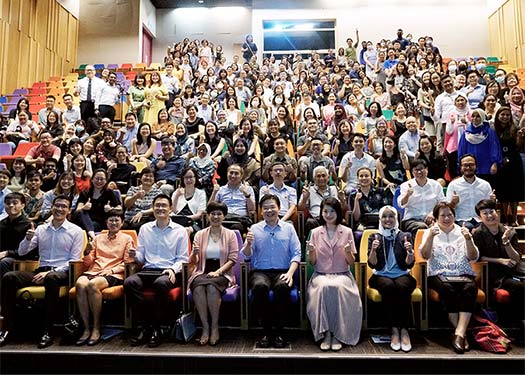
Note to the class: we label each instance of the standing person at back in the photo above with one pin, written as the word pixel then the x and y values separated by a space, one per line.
pixel 248 48
pixel 88 89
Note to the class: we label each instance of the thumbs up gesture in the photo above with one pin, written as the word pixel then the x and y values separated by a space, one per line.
pixel 455 198
pixel 87 205
pixel 410 190
pixel 493 195
pixel 30 232
pixel 310 248
pixel 465 232
pixel 375 242
pixel 250 237
pixel 244 188
pixel 434 230
pixel 107 207
pixel 408 246
pixel 348 247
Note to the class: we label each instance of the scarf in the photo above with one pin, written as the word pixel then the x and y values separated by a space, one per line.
pixel 388 233
pixel 181 140
pixel 203 162
pixel 477 134
pixel 516 108
pixel 243 159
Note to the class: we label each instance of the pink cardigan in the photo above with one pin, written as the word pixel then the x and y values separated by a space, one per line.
pixel 229 251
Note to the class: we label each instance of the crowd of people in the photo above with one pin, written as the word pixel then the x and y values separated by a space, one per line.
pixel 383 136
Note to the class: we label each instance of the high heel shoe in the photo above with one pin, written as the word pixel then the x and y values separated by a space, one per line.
pixel 82 342
pixel 406 345
pixel 395 343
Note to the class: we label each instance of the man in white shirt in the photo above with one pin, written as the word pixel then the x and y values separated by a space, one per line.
pixel 88 88
pixel 354 160
pixel 108 96
pixel 44 112
pixel 126 133
pixel 71 114
pixel 418 197
pixel 466 191
pixel 286 194
pixel 443 105
pixel 409 140
pixel 171 83
pixel 59 242
pixel 162 249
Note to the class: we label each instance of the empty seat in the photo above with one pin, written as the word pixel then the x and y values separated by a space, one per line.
pixel 112 66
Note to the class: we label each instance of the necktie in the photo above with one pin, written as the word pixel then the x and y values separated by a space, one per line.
pixel 88 98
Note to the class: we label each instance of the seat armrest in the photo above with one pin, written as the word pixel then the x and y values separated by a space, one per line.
pixel 76 268
pixel 25 265
pixel 131 268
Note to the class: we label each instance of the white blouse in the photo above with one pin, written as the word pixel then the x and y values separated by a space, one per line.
pixel 196 203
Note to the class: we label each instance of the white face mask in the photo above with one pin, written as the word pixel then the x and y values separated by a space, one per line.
pixel 452 68
pixel 500 79
pixel 278 100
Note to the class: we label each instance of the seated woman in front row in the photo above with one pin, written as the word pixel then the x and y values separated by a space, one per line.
pixel 449 249
pixel 391 255
pixel 333 303
pixel 215 251
pixel 105 258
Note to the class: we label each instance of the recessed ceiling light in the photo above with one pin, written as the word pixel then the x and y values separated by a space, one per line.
pixel 201 1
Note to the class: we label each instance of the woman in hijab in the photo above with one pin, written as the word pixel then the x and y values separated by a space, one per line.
pixel 391 255
pixel 251 168
pixel 480 140
pixel 204 165
pixel 456 124
pixel 184 143
pixel 339 115
pixel 516 103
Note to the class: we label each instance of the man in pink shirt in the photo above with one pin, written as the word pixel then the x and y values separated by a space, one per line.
pixel 38 154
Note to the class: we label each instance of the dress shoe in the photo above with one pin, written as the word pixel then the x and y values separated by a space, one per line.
pixel 264 342
pixel 141 338
pixel 45 341
pixel 395 340
pixel 336 345
pixel 466 345
pixel 93 342
pixel 82 342
pixel 327 341
pixel 406 345
pixel 155 339
pixel 4 337
pixel 458 343
pixel 279 342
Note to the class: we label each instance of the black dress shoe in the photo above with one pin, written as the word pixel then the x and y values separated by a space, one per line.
pixel 45 341
pixel 140 338
pixel 94 342
pixel 279 342
pixel 82 342
pixel 466 345
pixel 156 338
pixel 264 342
pixel 4 337
pixel 458 343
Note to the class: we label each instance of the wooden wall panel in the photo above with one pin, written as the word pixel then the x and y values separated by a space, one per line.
pixel 506 30
pixel 38 39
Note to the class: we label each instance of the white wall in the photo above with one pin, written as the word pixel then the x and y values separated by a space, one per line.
pixel 493 5
pixel 72 6
pixel 109 32
pixel 222 25
pixel 459 28
pixel 148 16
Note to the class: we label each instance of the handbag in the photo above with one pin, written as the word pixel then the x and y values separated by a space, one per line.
pixel 490 337
pixel 184 327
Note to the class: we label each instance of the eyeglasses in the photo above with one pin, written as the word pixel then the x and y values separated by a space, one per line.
pixel 60 205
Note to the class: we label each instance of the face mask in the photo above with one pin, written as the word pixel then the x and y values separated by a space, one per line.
pixel 480 66
pixel 500 79
pixel 369 48
pixel 429 42
pixel 79 129
pixel 213 94
pixel 220 85
pixel 278 101
pixel 452 68
pixel 383 44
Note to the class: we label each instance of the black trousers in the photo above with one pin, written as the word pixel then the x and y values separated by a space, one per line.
pixel 267 312
pixel 14 280
pixel 516 289
pixel 396 298
pixel 87 110
pixel 134 288
pixel 456 297
pixel 107 111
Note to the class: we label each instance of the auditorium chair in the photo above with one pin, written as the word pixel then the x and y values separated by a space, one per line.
pixel 38 292
pixel 21 151
pixel 233 292
pixel 297 293
pixel 363 274
pixel 112 293
pixel 430 295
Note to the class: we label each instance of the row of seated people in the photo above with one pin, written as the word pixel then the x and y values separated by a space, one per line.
pixel 333 298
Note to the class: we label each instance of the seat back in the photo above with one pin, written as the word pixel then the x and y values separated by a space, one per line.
pixel 5 149
pixel 363 253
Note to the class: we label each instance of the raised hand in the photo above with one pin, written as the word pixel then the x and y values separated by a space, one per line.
pixel 348 247
pixel 132 253
pixel 107 207
pixel 465 232
pixel 87 205
pixel 250 237
pixel 410 190
pixel 455 198
pixel 434 230
pixel 493 195
pixel 408 246
pixel 30 232
pixel 309 248
pixel 375 242
pixel 508 234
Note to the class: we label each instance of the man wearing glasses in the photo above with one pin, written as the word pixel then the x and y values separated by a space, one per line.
pixel 162 249
pixel 59 242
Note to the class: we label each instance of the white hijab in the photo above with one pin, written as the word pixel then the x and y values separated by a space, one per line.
pixel 388 233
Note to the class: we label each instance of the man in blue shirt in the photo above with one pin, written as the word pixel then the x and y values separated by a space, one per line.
pixel 162 249
pixel 276 253
pixel 167 166
pixel 59 242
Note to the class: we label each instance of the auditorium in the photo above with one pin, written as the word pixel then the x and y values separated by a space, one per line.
pixel 256 186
